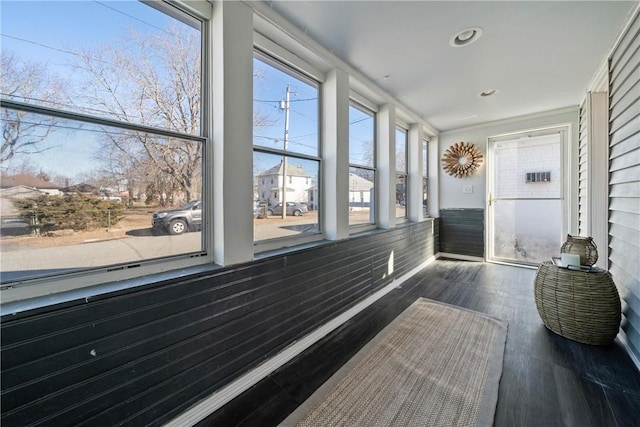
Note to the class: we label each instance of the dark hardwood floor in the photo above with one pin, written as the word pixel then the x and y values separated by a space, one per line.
pixel 547 380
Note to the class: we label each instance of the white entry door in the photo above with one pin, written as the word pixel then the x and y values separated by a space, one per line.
pixel 526 197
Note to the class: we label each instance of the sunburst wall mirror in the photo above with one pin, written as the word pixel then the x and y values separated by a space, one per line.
pixel 462 159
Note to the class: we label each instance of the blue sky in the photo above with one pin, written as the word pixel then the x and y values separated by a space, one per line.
pixel 44 26
pixel 270 86
pixel 49 32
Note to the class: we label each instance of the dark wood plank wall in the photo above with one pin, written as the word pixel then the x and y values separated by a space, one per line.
pixel 624 177
pixel 462 232
pixel 144 356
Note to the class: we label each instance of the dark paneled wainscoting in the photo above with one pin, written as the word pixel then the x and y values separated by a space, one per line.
pixel 462 232
pixel 143 356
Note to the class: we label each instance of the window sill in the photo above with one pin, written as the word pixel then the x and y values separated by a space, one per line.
pixel 31 296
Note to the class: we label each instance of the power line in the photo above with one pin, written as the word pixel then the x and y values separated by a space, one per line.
pixel 360 120
pixel 275 140
pixel 279 100
pixel 39 101
pixel 131 16
pixel 40 44
pixel 304 115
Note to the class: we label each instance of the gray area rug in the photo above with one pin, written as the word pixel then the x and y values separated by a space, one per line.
pixel 434 365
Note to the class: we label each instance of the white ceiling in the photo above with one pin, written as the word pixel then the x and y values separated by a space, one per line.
pixel 539 55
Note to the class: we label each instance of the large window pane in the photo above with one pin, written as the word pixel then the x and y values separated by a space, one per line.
pixel 361 137
pixel 401 173
pixel 425 193
pixel 362 173
pixel 101 125
pixel 361 196
pixel 286 158
pixel 425 178
pixel 285 109
pixel 275 174
pixel 86 198
pixel 401 196
pixel 401 150
pixel 120 60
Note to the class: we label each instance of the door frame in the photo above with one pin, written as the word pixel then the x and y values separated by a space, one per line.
pixel 567 190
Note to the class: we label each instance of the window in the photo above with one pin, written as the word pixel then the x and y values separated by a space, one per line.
pixel 402 176
pixel 286 150
pixel 101 121
pixel 362 171
pixel 425 178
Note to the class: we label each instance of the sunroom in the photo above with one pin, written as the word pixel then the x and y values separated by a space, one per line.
pixel 327 165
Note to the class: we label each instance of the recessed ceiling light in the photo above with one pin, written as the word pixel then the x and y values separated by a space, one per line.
pixel 466 37
pixel 488 92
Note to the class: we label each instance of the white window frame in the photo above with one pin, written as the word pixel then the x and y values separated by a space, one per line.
pixel 424 162
pixel 357 102
pixel 275 56
pixel 405 129
pixel 27 293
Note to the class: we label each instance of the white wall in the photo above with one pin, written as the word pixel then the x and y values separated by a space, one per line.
pixel 514 159
pixel 451 189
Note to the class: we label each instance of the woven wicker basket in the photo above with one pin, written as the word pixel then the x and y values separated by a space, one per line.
pixel 584 307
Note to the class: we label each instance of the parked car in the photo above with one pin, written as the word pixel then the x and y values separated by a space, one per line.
pixel 178 221
pixel 293 208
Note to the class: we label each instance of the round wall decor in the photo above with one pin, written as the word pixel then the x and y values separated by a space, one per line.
pixel 461 159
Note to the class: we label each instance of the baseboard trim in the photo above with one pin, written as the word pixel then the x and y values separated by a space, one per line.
pixel 460 257
pixel 223 396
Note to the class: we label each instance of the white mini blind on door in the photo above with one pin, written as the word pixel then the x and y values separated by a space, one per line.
pixel 583 161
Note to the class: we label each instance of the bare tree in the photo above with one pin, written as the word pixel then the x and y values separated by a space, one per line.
pixel 25 133
pixel 21 165
pixel 261 118
pixel 153 81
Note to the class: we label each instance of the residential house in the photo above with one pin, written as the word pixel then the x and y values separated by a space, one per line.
pixel 360 192
pixel 270 184
pixel 7 195
pixel 22 186
pixel 30 181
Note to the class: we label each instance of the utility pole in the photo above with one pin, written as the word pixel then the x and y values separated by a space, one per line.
pixel 284 105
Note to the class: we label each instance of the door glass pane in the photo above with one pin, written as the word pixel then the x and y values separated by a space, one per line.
pixel 527 199
pixel 527 230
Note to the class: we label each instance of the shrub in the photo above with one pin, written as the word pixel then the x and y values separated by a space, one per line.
pixel 73 211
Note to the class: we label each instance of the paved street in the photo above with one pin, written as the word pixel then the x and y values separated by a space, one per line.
pixel 92 254
pixel 26 256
